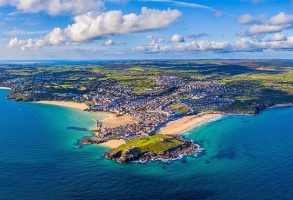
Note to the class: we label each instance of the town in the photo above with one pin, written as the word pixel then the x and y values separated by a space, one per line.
pixel 153 93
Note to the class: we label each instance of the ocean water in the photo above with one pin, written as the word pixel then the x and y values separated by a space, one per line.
pixel 246 158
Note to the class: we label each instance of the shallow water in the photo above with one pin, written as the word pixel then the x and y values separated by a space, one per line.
pixel 247 157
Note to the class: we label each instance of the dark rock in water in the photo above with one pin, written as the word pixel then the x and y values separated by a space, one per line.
pixel 184 160
pixel 91 140
pixel 78 129
pixel 228 153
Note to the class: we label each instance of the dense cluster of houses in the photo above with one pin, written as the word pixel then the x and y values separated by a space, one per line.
pixel 150 107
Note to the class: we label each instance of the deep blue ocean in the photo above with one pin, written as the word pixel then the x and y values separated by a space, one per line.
pixel 247 158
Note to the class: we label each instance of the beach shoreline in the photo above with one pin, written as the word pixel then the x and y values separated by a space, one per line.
pixel 179 126
pixel 79 106
pixel 184 124
pixel 110 119
pixel 112 144
pixel 4 88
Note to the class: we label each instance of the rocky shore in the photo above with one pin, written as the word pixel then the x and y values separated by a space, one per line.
pixel 92 140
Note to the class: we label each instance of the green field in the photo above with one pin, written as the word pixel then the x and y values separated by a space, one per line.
pixel 178 107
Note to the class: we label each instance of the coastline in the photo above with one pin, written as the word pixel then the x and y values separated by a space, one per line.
pixel 188 122
pixel 110 119
pixel 79 106
pixel 178 126
pixel 282 105
pixel 112 144
pixel 5 88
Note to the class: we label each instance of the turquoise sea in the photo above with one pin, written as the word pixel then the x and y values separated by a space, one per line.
pixel 247 158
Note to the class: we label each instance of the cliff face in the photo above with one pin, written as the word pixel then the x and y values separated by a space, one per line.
pixel 135 154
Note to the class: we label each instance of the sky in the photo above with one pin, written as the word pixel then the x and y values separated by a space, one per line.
pixel 145 29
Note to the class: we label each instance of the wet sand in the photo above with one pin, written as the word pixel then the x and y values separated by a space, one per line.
pixel 113 143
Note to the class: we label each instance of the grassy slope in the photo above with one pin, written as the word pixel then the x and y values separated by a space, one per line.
pixel 155 143
pixel 179 108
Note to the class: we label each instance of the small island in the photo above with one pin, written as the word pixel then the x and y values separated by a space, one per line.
pixel 152 148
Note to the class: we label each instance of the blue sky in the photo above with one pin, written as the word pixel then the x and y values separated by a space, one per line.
pixel 145 29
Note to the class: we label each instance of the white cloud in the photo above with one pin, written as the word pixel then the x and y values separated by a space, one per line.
pixel 111 43
pixel 263 29
pixel 260 26
pixel 93 26
pixel 279 37
pixel 177 38
pixel 277 43
pixel 155 40
pixel 217 13
pixel 55 7
pixel 202 45
pixel 15 42
pixel 250 19
pixel 281 18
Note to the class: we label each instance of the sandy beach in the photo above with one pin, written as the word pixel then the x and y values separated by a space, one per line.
pixel 113 143
pixel 185 123
pixel 80 106
pixel 113 121
pixel 110 119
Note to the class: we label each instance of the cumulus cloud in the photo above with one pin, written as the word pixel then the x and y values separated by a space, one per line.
pixel 177 38
pixel 279 37
pixel 155 40
pixel 263 29
pixel 277 23
pixel 92 26
pixel 281 18
pixel 55 7
pixel 277 42
pixel 202 45
pixel 15 42
pixel 250 19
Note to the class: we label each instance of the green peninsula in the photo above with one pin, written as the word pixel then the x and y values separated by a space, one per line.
pixel 156 147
